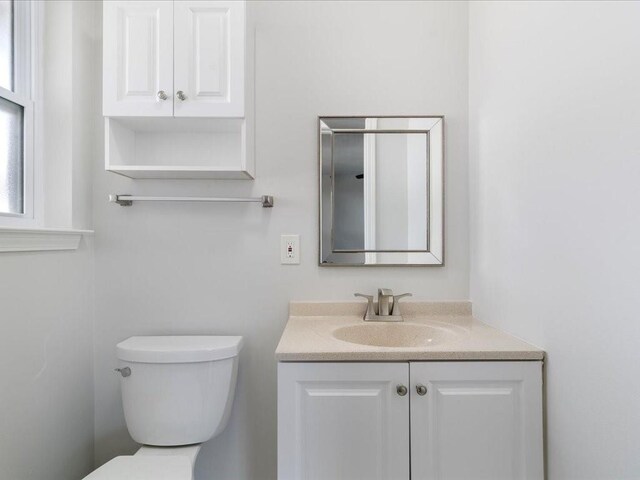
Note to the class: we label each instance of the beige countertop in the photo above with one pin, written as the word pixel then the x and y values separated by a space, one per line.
pixel 452 334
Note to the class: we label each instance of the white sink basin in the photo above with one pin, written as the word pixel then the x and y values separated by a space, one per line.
pixel 395 335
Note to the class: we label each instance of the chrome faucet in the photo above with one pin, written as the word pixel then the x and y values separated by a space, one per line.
pixel 388 306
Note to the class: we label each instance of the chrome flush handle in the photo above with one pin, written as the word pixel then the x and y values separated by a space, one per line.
pixel 125 372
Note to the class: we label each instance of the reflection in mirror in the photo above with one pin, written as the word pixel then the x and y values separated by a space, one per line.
pixel 397 191
pixel 381 189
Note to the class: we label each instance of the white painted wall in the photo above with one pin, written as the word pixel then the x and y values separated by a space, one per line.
pixel 46 400
pixel 188 268
pixel 46 298
pixel 555 196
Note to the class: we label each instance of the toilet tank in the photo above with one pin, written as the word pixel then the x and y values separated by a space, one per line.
pixel 180 388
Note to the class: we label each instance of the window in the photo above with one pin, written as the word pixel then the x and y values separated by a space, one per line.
pixel 16 114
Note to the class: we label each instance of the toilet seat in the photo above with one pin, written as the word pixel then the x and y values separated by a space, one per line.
pixel 145 467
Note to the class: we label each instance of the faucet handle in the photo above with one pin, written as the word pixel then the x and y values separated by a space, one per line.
pixel 370 310
pixel 368 297
pixel 396 303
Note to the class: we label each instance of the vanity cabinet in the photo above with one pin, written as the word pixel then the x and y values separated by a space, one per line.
pixel 165 58
pixel 342 421
pixel 472 420
pixel 477 420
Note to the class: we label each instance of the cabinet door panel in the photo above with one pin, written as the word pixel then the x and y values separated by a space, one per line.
pixel 209 58
pixel 342 421
pixel 478 420
pixel 138 58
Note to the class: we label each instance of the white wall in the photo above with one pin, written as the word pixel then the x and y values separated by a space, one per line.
pixel 46 298
pixel 46 404
pixel 188 268
pixel 555 175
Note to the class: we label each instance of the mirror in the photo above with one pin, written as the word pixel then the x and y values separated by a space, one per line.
pixel 381 190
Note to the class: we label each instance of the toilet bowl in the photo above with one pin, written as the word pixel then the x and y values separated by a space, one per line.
pixel 177 393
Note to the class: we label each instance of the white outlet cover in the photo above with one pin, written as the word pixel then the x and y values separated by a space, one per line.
pixel 290 249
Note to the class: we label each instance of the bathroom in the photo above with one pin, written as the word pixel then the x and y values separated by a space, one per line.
pixel 541 161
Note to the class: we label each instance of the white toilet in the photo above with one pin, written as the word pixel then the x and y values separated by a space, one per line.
pixel 177 393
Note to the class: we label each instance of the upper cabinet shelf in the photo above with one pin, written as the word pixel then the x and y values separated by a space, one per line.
pixel 175 60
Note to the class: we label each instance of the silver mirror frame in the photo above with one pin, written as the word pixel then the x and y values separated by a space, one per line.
pixel 434 255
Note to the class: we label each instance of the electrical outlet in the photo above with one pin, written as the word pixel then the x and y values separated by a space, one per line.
pixel 290 249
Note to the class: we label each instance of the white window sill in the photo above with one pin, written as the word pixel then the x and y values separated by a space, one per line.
pixel 40 239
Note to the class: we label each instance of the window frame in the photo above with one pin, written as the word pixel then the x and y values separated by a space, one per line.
pixel 26 85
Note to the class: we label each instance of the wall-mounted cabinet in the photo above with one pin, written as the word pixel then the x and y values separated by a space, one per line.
pixel 178 90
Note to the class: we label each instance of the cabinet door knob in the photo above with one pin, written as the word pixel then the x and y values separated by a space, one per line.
pixel 421 389
pixel 180 94
pixel 401 390
pixel 162 95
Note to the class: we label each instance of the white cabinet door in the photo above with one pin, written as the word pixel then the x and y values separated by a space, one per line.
pixel 342 421
pixel 478 420
pixel 138 58
pixel 209 58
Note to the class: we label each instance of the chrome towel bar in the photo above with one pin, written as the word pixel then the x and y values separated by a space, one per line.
pixel 127 200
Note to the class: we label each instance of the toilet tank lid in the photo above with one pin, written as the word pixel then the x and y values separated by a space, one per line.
pixel 178 349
